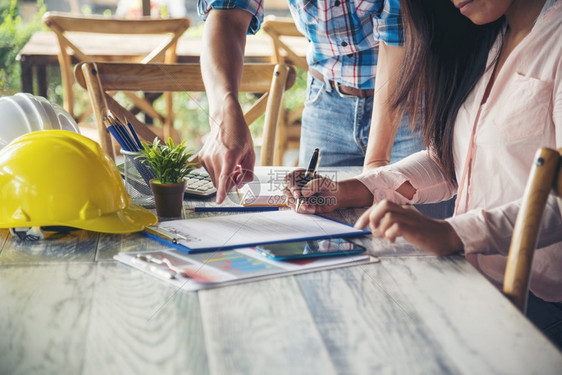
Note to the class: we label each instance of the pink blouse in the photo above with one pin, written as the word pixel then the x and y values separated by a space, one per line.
pixel 494 147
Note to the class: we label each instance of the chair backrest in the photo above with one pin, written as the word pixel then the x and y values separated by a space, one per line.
pixel 281 30
pixel 545 178
pixel 71 29
pixel 278 29
pixel 269 80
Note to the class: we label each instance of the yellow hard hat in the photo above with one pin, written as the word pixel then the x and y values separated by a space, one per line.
pixel 60 178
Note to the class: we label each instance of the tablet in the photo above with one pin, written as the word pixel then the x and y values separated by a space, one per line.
pixel 310 249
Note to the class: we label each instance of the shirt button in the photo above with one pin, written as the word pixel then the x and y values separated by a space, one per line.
pixel 337 3
pixel 344 44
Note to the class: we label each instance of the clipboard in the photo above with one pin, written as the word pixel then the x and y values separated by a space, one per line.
pixel 217 233
pixel 193 272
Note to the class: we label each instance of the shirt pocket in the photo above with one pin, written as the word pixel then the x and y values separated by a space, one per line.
pixel 526 103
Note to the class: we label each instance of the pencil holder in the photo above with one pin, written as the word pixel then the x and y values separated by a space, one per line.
pixel 137 177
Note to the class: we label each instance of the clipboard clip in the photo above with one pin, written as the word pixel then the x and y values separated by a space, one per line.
pixel 171 236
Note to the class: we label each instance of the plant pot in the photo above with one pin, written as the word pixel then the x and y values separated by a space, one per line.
pixel 168 198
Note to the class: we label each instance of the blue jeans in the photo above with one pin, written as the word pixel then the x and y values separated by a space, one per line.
pixel 340 128
pixel 547 316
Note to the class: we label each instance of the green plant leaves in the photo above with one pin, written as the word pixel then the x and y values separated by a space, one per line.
pixel 14 33
pixel 168 161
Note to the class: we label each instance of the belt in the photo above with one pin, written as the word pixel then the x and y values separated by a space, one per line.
pixel 343 90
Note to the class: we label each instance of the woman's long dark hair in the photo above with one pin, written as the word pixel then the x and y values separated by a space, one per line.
pixel 445 55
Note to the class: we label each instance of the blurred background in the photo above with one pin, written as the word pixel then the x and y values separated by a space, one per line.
pixel 20 19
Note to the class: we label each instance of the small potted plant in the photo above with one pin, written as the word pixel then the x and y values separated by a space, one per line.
pixel 170 165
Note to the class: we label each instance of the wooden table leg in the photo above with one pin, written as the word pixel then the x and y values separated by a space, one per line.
pixel 41 72
pixel 26 76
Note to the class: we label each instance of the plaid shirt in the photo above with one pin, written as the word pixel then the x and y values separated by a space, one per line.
pixel 344 34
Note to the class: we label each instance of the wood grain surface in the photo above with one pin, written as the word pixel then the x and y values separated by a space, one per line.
pixel 66 307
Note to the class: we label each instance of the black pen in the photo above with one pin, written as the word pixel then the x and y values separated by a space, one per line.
pixel 309 175
pixel 233 209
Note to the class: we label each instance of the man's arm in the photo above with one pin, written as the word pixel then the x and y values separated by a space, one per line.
pixel 228 153
pixel 384 121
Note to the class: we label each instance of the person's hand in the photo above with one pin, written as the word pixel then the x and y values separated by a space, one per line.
pixel 228 155
pixel 321 193
pixel 390 220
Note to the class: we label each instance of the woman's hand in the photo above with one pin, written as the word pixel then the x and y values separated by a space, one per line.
pixel 323 194
pixel 390 220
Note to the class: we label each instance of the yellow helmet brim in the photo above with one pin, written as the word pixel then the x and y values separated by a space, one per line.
pixel 132 218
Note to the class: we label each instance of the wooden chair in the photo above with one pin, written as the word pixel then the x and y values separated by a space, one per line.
pixel 289 126
pixel 269 80
pixel 545 178
pixel 69 29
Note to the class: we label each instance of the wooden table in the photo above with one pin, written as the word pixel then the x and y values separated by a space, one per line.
pixel 41 52
pixel 66 307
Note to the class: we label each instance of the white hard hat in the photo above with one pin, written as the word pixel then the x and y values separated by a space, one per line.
pixel 23 113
